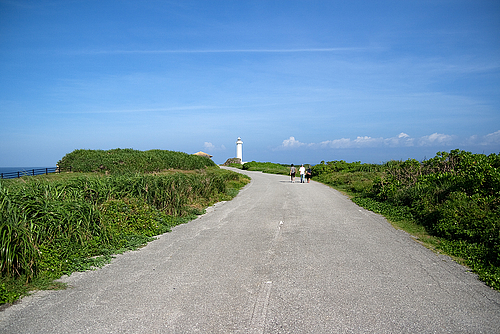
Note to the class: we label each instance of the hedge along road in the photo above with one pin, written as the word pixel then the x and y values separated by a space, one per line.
pixel 279 258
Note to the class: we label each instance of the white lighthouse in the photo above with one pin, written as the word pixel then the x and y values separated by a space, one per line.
pixel 239 150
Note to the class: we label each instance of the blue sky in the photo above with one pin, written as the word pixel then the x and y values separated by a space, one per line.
pixel 298 81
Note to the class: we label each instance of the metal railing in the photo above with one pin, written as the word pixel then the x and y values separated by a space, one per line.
pixel 31 172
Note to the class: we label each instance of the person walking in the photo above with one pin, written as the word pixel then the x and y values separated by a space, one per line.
pixel 292 173
pixel 308 174
pixel 302 171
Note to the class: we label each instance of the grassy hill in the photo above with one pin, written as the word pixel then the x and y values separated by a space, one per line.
pixel 123 161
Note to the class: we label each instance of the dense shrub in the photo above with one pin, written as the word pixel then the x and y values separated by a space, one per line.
pixel 269 167
pixel 353 177
pixel 123 161
pixel 346 167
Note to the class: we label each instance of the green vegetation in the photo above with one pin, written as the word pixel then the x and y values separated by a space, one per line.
pixel 239 166
pixel 53 225
pixel 269 167
pixel 233 162
pixel 450 202
pixel 57 224
pixel 124 161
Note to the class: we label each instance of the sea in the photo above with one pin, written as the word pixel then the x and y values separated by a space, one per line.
pixel 38 170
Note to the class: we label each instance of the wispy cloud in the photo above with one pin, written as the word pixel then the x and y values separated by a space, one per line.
pixel 340 49
pixel 208 146
pixel 435 139
pixel 141 110
pixel 487 140
pixel 401 140
pixel 292 143
pixel 491 139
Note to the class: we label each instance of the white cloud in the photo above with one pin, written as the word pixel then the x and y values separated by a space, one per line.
pixel 336 143
pixel 348 143
pixel 362 142
pixel 367 141
pixel 435 138
pixel 291 143
pixel 401 140
pixel 471 140
pixel 491 138
pixel 208 146
pixel 487 140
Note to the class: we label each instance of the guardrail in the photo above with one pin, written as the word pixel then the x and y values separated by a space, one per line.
pixel 31 172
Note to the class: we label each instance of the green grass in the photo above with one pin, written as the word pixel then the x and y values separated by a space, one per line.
pixel 236 165
pixel 269 167
pixel 126 161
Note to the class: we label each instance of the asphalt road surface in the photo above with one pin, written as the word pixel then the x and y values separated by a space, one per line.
pixel 280 258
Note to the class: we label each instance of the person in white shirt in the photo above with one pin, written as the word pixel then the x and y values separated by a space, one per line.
pixel 302 171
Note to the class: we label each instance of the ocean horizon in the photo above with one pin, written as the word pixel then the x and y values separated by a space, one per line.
pixel 19 169
pixel 23 170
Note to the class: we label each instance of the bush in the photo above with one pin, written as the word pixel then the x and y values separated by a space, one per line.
pixel 353 178
pixel 126 161
pixel 268 167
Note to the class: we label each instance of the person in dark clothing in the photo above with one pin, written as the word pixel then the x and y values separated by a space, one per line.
pixel 292 173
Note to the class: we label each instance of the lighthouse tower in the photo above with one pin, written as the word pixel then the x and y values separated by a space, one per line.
pixel 239 150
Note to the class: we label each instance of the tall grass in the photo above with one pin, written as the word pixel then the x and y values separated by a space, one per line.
pixel 18 253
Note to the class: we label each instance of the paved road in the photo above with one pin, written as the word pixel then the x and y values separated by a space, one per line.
pixel 279 258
